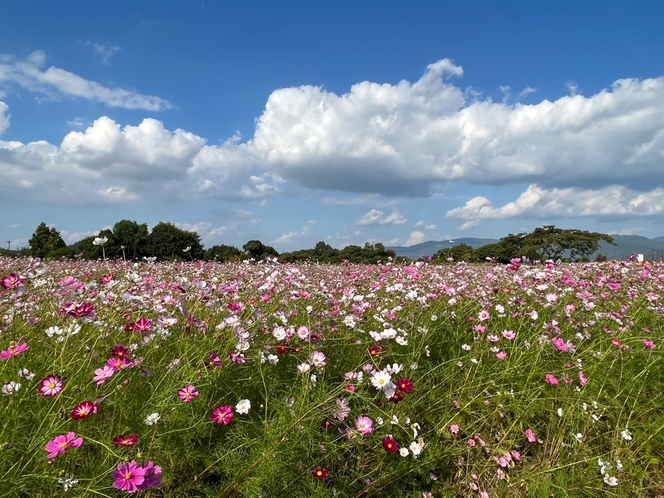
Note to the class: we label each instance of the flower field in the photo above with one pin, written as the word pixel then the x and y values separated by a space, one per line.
pixel 260 380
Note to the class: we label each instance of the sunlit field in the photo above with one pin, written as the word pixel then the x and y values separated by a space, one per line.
pixel 269 380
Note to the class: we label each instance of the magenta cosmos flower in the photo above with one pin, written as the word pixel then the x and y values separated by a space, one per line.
pixel 13 350
pixel 390 445
pixel 188 393
pixel 125 441
pixel 223 415
pixel 11 281
pixel 128 476
pixel 61 443
pixel 51 385
pixel 83 410
pixel 142 325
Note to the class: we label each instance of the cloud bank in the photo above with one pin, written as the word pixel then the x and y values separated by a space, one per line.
pixel 377 139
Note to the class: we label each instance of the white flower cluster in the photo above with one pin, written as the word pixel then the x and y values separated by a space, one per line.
pixel 605 467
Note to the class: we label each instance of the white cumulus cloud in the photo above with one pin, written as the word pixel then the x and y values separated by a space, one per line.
pixel 29 74
pixel 539 203
pixel 377 217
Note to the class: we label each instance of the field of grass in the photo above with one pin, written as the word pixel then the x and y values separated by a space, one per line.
pixel 269 380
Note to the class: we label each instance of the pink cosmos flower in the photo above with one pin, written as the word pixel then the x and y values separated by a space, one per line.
pixel 61 443
pixel 51 385
pixel 188 393
pixel 559 343
pixel 530 436
pixel 454 429
pixel 101 374
pixel 11 281
pixel 501 355
pixel 648 344
pixel 509 335
pixel 13 350
pixel 128 476
pixel 152 476
pixel 142 325
pixel 83 410
pixel 550 379
pixel 364 425
pixel 222 415
pixel 582 379
pixel 118 363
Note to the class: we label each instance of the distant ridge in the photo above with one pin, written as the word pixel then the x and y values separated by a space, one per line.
pixel 652 249
pixel 433 246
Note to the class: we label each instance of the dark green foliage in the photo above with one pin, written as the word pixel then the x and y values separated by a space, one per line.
pixel 45 241
pixel 460 252
pixel 257 250
pixel 543 243
pixel 367 254
pixel 223 254
pixel 168 242
pixel 130 239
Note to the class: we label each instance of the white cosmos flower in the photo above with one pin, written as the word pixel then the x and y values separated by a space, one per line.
pixel 243 406
pixel 152 419
pixel 99 241
pixel 10 387
pixel 626 435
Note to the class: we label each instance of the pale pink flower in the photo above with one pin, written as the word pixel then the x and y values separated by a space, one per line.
pixel 550 379
pixel 364 425
pixel 101 374
pixel 530 436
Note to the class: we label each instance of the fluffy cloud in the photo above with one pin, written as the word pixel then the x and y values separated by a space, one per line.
pixel 290 237
pixel 377 139
pixel 28 73
pixel 376 217
pixel 536 202
pixel 107 164
pixel 403 138
pixel 4 117
pixel 422 225
pixel 416 237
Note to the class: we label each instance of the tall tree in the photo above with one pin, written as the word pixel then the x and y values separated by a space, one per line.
pixel 45 241
pixel 131 239
pixel 223 253
pixel 257 250
pixel 168 242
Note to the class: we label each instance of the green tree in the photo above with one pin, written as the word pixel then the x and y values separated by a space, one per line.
pixel 460 252
pixel 257 250
pixel 130 239
pixel 45 240
pixel 168 242
pixel 223 254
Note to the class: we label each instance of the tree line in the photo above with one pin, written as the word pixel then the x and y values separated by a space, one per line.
pixel 544 243
pixel 132 241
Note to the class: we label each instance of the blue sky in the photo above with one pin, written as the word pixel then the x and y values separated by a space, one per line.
pixel 294 122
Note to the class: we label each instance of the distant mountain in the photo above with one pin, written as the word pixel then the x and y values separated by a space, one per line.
pixel 652 249
pixel 433 246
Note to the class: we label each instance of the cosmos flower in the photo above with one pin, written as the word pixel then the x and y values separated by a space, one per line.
pixel 60 444
pixel 223 415
pixel 51 385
